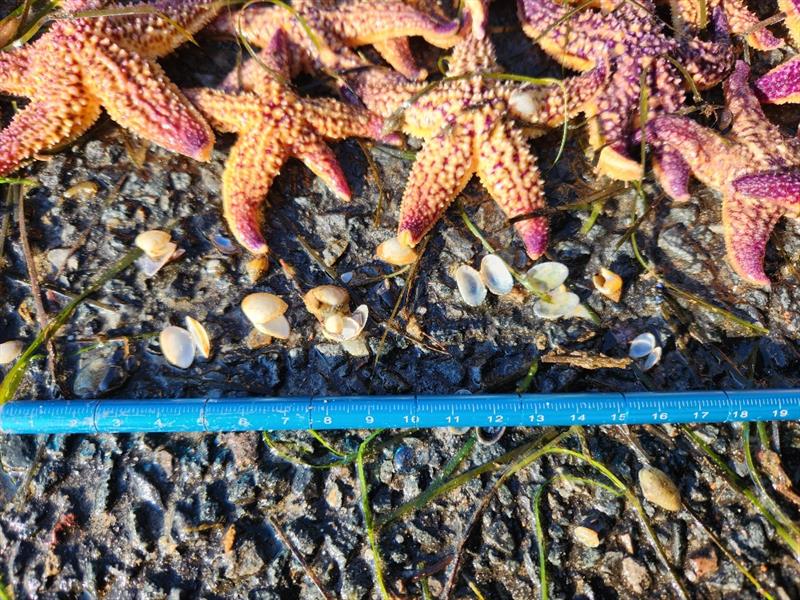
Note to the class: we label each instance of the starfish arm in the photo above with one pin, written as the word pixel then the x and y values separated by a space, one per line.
pixel 508 171
pixel 318 157
pixel 362 22
pixel 781 188
pixel 672 173
pixel 615 113
pixel 442 168
pixel 706 62
pixel 137 94
pixel 397 52
pixel 257 74
pixel 551 105
pixel 572 38
pixel 472 55
pixel 254 161
pixel 15 71
pixel 781 85
pixel 227 112
pixel 44 124
pixel 792 20
pixel 382 90
pixel 748 225
pixel 336 120
pixel 707 152
pixel 153 35
pixel 742 20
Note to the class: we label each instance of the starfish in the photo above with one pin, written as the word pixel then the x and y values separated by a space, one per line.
pixel 755 168
pixel 273 124
pixel 81 65
pixel 339 26
pixel 466 122
pixel 632 39
pixel 781 85
pixel 687 16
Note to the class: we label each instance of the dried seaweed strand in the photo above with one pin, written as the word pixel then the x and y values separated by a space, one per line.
pixel 299 558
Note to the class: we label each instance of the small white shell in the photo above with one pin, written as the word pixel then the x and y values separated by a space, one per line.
pixel 10 350
pixel 394 252
pixel 334 324
pixel 356 347
pixel 562 304
pixel 262 307
pixel 200 336
pixel 150 265
pixel 154 243
pixel 652 359
pixel 547 276
pixel 177 346
pixel 642 345
pixel 354 324
pixel 523 105
pixel 495 274
pixel 470 285
pixel 659 489
pixel 608 283
pixel 332 295
pixel 277 327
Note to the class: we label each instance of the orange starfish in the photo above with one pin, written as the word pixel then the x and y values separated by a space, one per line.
pixel 275 124
pixel 338 26
pixel 467 123
pixel 688 15
pixel 83 64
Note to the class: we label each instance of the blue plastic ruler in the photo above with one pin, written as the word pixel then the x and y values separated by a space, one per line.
pixel 371 412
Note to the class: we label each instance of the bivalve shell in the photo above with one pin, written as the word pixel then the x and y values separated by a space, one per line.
pixel 470 285
pixel 200 336
pixel 150 265
pixel 154 243
pixel 561 304
pixel 395 252
pixel 334 324
pixel 177 346
pixel 277 327
pixel 263 307
pixel 642 345
pixel 10 351
pixel 547 276
pixel 495 274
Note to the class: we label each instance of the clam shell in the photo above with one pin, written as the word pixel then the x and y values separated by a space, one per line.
pixel 277 327
pixel 495 274
pixel 608 283
pixel 562 304
pixel 10 350
pixel 470 285
pixel 394 252
pixel 332 295
pixel 199 336
pixel 547 276
pixel 652 359
pixel 642 345
pixel 177 346
pixel 334 324
pixel 154 243
pixel 354 324
pixel 150 265
pixel 256 267
pixel 262 307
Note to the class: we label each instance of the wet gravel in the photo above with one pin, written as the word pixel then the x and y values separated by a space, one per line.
pixel 189 516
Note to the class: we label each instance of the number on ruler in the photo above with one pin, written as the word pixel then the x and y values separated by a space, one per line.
pixel 700 414
pixel 740 414
pixel 780 413
pixel 619 417
pixel 536 418
pixel 452 418
pixel 369 419
pixel 285 420
pixel 411 419
pixel 496 419
pixel 660 416
pixel 327 420
pixel 577 418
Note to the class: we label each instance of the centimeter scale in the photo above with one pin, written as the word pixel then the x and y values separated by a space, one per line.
pixel 374 412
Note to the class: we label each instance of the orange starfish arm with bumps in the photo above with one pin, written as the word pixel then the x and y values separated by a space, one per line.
pixel 81 65
pixel 467 123
pixel 339 26
pixel 274 124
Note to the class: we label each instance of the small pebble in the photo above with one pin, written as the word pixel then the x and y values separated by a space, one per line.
pixel 404 459
pixel 659 489
pixel 586 536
